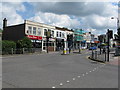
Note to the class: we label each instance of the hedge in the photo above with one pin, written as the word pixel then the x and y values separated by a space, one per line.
pixel 8 44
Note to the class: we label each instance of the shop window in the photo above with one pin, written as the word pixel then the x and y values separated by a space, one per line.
pixel 44 44
pixel 52 34
pixel 34 30
pixel 57 34
pixel 49 30
pixel 60 34
pixel 45 32
pixel 39 31
pixel 29 29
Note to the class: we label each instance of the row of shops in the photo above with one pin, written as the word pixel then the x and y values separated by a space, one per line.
pixel 59 37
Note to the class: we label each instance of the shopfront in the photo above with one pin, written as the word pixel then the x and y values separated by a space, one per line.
pixel 51 44
pixel 36 40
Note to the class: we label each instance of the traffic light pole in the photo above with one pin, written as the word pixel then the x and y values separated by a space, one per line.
pixel 47 43
pixel 108 39
pixel 100 47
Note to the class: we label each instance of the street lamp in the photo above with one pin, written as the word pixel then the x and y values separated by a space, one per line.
pixel 117 21
pixel 116 50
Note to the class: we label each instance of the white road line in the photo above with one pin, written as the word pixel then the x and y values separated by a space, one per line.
pixel 61 84
pixel 73 78
pixel 53 87
pixel 68 81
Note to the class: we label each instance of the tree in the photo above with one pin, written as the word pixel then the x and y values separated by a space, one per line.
pixel 24 43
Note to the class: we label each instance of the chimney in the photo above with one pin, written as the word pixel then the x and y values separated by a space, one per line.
pixel 4 22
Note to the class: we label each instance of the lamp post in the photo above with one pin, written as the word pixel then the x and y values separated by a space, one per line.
pixel 47 39
pixel 116 49
pixel 117 21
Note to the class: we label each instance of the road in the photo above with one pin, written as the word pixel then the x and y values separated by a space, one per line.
pixel 57 71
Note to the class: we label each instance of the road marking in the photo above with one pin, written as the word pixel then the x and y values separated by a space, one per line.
pixel 53 87
pixel 68 81
pixel 61 84
pixel 73 78
pixel 78 76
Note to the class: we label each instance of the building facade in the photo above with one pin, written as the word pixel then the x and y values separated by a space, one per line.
pixel 78 38
pixel 37 32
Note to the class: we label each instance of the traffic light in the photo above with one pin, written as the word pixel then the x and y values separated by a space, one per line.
pixel 48 33
pixel 68 37
pixel 100 38
pixel 71 37
pixel 110 34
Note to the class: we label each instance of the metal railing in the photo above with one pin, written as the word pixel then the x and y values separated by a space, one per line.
pixel 96 55
pixel 20 51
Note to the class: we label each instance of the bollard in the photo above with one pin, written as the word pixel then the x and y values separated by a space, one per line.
pixel 12 51
pixel 79 51
pixel 105 55
pixel 64 51
pixel 95 54
pixel 23 50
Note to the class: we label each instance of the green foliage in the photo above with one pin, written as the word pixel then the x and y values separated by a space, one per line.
pixel 8 44
pixel 24 43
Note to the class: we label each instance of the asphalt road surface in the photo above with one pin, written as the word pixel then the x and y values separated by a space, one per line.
pixel 57 71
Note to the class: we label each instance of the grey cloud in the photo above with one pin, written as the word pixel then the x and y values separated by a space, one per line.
pixel 71 8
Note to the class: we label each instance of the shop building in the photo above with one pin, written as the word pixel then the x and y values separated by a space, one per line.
pixel 37 32
pixel 78 38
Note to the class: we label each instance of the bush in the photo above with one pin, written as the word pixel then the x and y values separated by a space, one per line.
pixel 24 43
pixel 8 44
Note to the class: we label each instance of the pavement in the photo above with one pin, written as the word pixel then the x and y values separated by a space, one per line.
pixel 54 70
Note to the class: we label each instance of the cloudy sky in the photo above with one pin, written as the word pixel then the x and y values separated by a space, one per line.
pixel 90 16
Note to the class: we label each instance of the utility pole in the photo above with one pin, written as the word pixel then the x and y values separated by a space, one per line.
pixel 47 43
pixel 108 45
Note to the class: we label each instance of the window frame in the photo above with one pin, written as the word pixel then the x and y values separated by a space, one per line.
pixel 30 30
pixel 45 33
pixel 39 31
pixel 34 30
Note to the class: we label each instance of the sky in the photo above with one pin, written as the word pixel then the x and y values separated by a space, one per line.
pixel 86 15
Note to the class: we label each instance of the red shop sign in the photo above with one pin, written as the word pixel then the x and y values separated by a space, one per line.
pixel 34 37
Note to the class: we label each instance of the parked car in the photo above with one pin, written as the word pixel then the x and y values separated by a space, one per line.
pixel 83 47
pixel 93 48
